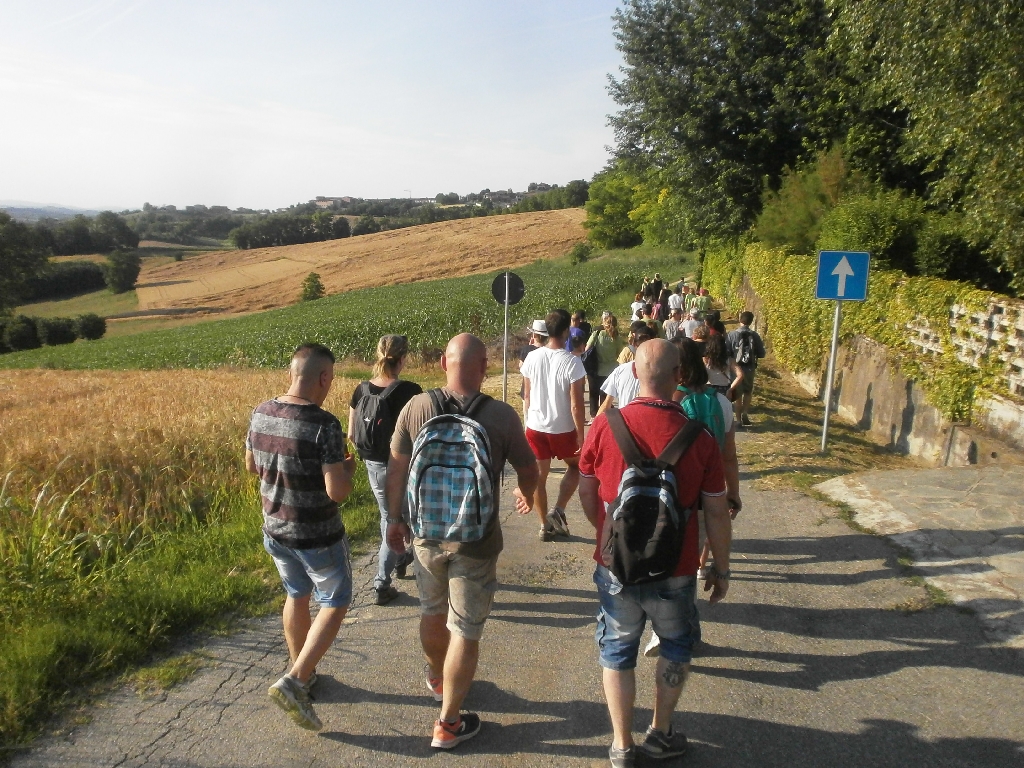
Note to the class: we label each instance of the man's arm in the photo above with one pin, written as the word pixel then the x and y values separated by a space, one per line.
pixel 526 393
pixel 576 404
pixel 526 486
pixel 589 498
pixel 250 463
pixel 394 494
pixel 607 404
pixel 338 478
pixel 731 467
pixel 718 526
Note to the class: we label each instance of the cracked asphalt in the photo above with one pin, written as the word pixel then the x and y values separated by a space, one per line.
pixel 818 657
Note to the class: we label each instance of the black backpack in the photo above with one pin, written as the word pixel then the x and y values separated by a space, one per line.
pixel 746 355
pixel 374 423
pixel 644 527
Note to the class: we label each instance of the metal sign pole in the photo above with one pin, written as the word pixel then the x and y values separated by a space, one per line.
pixel 504 349
pixel 831 373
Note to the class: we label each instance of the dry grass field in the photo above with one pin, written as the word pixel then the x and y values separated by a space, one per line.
pixel 144 443
pixel 265 278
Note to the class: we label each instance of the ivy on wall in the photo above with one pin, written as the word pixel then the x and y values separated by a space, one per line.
pixel 801 326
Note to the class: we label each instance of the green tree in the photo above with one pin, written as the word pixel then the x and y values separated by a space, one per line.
pixel 312 287
pixel 21 259
pixel 718 98
pixel 608 207
pixel 366 225
pixel 956 68
pixel 122 270
pixel 110 232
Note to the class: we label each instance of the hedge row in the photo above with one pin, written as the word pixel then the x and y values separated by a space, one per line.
pixel 23 332
pixel 801 326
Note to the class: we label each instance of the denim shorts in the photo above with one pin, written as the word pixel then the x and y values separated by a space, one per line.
pixel 624 612
pixel 326 573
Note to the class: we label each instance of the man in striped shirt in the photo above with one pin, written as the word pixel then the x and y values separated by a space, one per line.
pixel 298 451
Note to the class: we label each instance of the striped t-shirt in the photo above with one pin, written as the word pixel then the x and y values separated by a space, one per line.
pixel 290 445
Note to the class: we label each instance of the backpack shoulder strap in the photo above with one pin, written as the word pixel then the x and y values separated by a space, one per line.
pixel 389 389
pixel 623 437
pixel 680 444
pixel 475 404
pixel 439 400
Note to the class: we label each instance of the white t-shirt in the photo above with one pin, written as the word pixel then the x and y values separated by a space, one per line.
pixel 622 384
pixel 551 372
pixel 675 301
pixel 636 305
pixel 690 325
pixel 727 415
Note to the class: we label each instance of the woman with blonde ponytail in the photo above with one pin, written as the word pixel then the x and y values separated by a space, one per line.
pixel 372 414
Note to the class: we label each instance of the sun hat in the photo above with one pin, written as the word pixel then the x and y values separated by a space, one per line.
pixel 539 327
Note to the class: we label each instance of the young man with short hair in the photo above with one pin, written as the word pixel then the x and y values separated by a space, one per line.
pixel 745 343
pixel 298 451
pixel 553 393
pixel 673 323
pixel 653 420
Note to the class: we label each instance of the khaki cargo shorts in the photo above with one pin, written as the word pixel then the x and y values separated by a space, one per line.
pixel 462 586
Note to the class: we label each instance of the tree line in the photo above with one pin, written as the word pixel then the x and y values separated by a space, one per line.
pixel 896 126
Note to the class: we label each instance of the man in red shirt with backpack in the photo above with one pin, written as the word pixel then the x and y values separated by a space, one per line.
pixel 653 421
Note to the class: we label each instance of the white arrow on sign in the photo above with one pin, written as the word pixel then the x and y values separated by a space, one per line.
pixel 844 271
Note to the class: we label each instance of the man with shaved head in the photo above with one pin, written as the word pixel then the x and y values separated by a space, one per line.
pixel 298 450
pixel 456 580
pixel 653 420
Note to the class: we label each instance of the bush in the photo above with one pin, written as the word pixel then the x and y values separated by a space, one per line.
pixel 312 288
pixel 122 270
pixel 54 331
pixel 90 326
pixel 60 280
pixel 580 253
pixel 884 224
pixel 21 333
pixel 4 349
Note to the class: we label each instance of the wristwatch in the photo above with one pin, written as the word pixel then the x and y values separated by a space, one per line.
pixel 399 521
pixel 719 574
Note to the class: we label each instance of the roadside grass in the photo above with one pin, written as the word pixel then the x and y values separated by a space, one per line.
pixel 350 323
pixel 126 520
pixel 782 450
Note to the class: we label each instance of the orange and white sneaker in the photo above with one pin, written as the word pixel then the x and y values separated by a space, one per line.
pixel 434 684
pixel 447 735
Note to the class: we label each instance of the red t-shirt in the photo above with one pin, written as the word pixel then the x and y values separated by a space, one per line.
pixel 653 423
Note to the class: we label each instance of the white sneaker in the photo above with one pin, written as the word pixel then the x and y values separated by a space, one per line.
pixel 289 694
pixel 653 649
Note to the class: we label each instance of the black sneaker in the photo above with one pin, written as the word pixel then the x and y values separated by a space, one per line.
pixel 622 758
pixel 661 746
pixel 448 735
pixel 745 420
pixel 385 595
pixel 402 569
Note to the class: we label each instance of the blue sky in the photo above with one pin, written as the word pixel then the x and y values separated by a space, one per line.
pixel 263 104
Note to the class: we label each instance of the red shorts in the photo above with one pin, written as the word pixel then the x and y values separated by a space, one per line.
pixel 547 446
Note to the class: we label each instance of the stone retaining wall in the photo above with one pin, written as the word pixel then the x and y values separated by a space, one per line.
pixel 872 393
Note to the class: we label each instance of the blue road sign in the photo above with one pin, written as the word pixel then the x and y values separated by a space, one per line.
pixel 842 275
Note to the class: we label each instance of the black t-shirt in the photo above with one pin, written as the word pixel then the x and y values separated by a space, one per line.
pixel 587 329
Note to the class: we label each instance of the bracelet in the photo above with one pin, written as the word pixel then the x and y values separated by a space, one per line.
pixel 719 574
pixel 399 521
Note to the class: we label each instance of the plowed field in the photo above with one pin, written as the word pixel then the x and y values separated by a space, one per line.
pixel 265 278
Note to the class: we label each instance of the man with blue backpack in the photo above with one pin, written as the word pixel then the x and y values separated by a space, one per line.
pixel 643 471
pixel 447 454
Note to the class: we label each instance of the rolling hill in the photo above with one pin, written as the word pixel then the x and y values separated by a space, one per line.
pixel 267 278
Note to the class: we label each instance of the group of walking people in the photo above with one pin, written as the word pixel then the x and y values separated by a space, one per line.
pixel 663 415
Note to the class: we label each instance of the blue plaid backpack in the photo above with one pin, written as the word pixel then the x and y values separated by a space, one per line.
pixel 450 491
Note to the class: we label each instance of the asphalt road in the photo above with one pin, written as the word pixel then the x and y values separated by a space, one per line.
pixel 812 662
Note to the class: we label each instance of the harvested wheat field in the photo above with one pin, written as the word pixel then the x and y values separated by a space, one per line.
pixel 265 278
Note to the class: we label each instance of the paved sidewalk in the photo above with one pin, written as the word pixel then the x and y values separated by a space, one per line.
pixel 812 662
pixel 964 528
